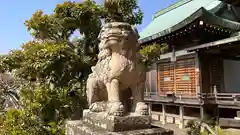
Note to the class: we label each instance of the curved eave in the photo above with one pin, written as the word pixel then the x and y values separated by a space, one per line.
pixel 208 17
pixel 202 14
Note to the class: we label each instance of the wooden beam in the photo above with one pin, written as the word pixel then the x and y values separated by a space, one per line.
pixel 226 56
pixel 215 43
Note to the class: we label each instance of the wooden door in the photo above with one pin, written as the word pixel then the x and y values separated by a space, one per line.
pixel 216 75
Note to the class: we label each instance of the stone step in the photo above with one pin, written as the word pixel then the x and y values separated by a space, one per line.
pixel 81 128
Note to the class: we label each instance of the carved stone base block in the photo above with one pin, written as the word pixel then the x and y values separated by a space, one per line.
pixel 102 124
pixel 116 124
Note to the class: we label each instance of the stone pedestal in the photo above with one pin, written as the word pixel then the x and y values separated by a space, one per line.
pixel 101 124
pixel 116 124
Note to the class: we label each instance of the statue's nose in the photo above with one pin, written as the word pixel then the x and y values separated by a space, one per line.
pixel 114 31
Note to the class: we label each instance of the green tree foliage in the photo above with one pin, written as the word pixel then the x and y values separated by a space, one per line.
pixel 85 18
pixel 66 19
pixel 44 112
pixel 54 68
pixel 123 11
pixel 194 128
pixel 151 53
pixel 55 63
pixel 47 64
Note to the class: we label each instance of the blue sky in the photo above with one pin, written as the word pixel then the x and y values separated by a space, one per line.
pixel 13 13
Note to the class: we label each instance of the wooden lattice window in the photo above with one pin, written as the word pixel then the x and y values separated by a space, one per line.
pixel 186 75
pixel 165 81
pixel 179 77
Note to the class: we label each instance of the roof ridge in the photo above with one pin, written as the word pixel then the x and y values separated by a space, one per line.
pixel 171 7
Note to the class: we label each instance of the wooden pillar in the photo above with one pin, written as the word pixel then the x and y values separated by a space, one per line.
pixel 198 76
pixel 217 113
pixel 181 115
pixel 150 108
pixel 202 116
pixel 164 114
pixel 202 113
pixel 173 60
pixel 150 81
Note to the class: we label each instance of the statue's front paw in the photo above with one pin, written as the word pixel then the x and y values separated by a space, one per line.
pixel 142 109
pixel 115 109
pixel 97 107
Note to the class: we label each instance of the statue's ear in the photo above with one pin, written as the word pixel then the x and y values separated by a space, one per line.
pixel 99 35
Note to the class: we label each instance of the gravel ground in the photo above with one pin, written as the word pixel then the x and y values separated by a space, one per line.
pixel 173 127
pixel 231 131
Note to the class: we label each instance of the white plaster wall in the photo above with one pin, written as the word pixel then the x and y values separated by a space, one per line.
pixel 232 76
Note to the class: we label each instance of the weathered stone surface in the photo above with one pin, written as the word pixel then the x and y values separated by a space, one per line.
pixel 115 123
pixel 119 74
pixel 80 128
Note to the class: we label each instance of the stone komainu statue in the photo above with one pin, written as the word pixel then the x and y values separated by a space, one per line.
pixel 118 74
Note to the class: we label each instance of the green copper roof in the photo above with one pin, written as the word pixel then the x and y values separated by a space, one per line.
pixel 173 6
pixel 178 13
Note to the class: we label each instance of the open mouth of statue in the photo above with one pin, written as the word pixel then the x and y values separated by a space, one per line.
pixel 113 37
